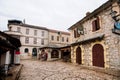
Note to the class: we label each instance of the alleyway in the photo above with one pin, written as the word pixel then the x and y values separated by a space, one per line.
pixel 37 70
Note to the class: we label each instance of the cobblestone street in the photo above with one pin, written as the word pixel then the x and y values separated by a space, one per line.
pixel 56 70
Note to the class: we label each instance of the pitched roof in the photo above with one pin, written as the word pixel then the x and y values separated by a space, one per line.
pixel 19 23
pixel 56 31
pixel 14 42
pixel 94 13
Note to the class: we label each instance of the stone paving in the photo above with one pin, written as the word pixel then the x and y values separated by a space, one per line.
pixel 57 70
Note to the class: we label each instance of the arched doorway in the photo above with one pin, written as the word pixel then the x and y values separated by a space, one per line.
pixel 54 54
pixel 98 55
pixel 78 55
pixel 65 55
pixel 34 52
pixel 26 50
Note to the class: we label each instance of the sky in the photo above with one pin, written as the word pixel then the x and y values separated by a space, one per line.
pixel 52 14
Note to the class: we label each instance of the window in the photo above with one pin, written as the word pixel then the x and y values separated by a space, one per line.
pixel 27 31
pixel 57 38
pixel 27 40
pixel 67 40
pixel 43 33
pixel 42 41
pixel 62 39
pixel 95 24
pixel 26 50
pixel 18 29
pixel 10 28
pixel 52 37
pixel 35 41
pixel 78 32
pixel 75 34
pixel 35 32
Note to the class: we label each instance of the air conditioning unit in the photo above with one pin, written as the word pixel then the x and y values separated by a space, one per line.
pixel 59 33
pixel 81 32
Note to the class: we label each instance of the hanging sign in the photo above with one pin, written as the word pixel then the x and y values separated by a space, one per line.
pixel 81 30
pixel 116 29
pixel 117 25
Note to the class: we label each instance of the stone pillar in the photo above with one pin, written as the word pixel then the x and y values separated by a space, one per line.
pixel 59 54
pixel 49 54
pixel 7 61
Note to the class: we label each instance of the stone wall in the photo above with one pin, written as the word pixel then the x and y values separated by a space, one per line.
pixel 110 43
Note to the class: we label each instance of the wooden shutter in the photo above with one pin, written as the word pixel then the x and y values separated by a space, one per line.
pixel 98 23
pixel 93 26
pixel 78 34
pixel 74 33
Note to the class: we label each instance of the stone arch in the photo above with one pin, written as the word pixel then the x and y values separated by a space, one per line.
pixel 78 55
pixel 98 55
pixel 26 50
pixel 34 51
pixel 54 54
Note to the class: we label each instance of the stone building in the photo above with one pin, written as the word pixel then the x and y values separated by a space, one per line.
pixel 8 46
pixel 96 37
pixel 34 38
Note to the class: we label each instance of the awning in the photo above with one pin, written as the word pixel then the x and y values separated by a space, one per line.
pixel 7 42
pixel 15 42
pixel 89 40
pixel 50 46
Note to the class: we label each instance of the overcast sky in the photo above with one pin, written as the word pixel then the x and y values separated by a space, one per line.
pixel 54 14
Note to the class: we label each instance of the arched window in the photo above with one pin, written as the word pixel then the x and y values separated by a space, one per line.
pixel 26 50
pixel 54 54
pixel 34 51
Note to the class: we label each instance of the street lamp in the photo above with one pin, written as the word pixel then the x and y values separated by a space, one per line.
pixel 113 13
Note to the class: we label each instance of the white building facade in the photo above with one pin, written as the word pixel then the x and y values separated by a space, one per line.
pixel 31 37
pixel 35 37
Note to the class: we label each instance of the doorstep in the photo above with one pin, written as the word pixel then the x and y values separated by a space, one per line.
pixel 14 72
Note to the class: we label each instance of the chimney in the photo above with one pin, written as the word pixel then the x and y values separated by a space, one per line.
pixel 23 21
pixel 87 13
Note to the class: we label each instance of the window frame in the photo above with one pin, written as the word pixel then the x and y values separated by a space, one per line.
pixel 52 37
pixel 63 39
pixel 27 31
pixel 35 32
pixel 43 33
pixel 18 29
pixel 58 38
pixel 26 40
pixel 35 41
pixel 42 42
pixel 67 39
pixel 96 24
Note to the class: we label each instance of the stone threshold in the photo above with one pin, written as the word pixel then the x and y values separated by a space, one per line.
pixel 14 72
pixel 112 72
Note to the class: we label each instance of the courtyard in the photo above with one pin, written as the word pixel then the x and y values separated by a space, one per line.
pixel 58 70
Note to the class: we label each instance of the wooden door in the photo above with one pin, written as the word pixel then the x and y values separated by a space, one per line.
pixel 78 55
pixel 98 55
